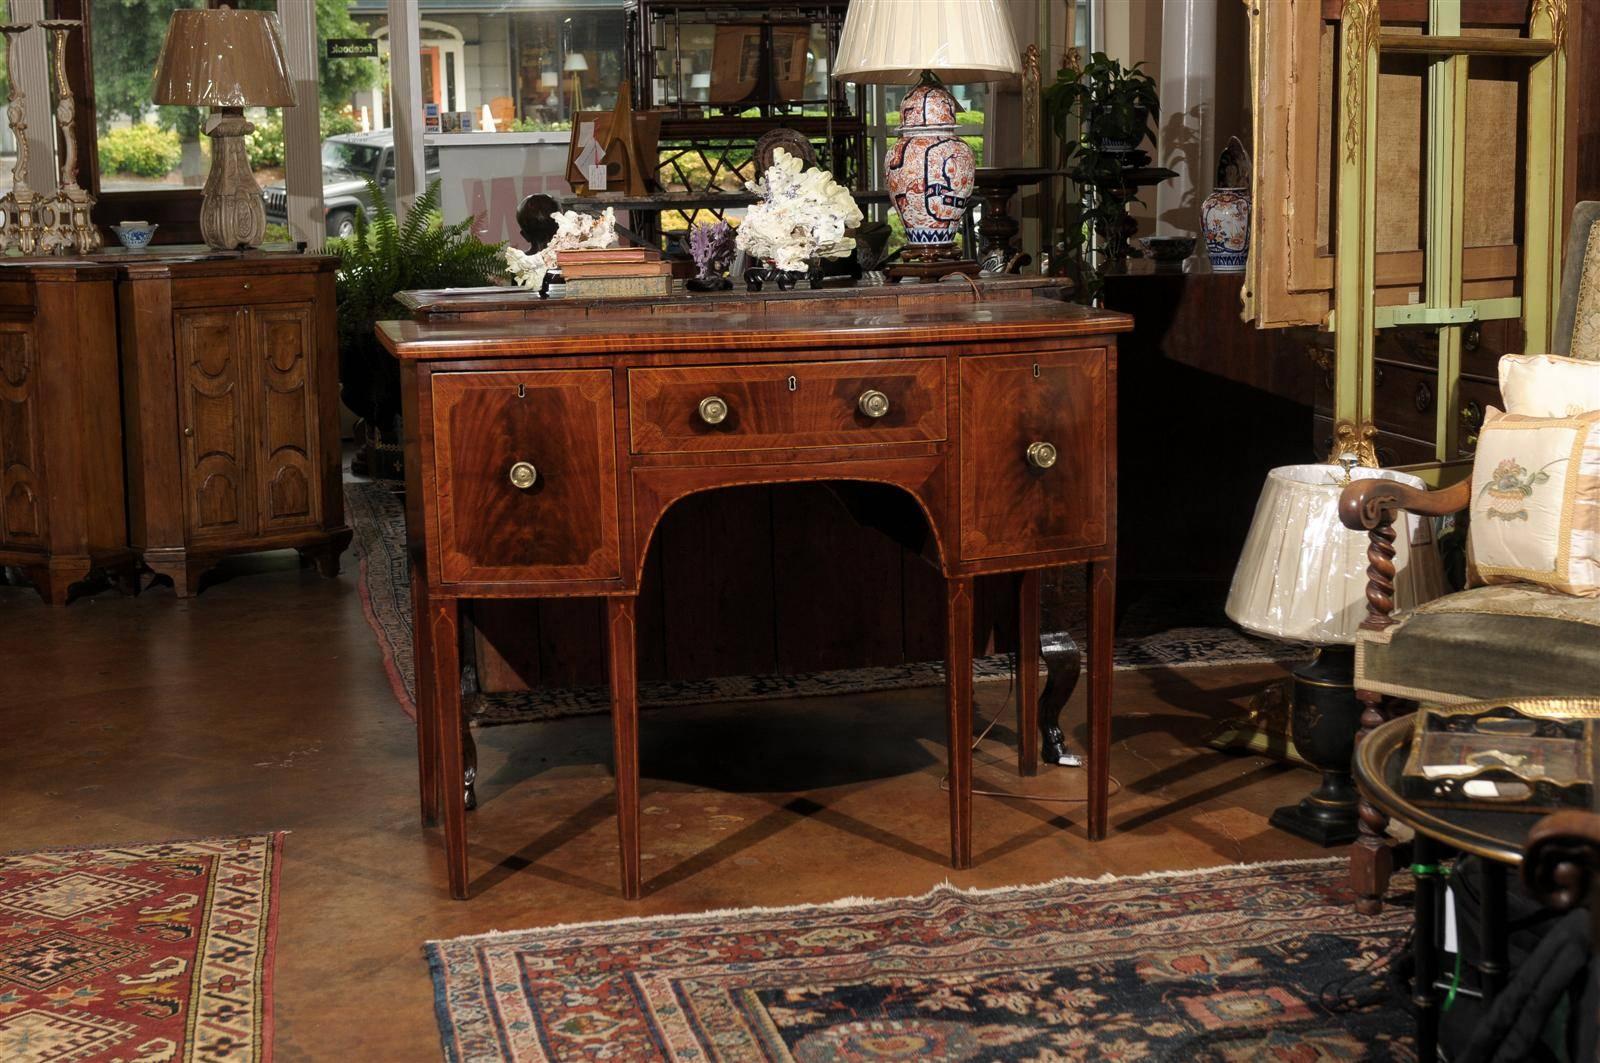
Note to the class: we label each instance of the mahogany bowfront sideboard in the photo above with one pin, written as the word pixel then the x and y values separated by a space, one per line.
pixel 543 449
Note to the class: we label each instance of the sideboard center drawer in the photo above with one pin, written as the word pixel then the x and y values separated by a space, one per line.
pixel 766 407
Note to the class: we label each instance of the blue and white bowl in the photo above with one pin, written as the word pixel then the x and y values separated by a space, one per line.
pixel 135 237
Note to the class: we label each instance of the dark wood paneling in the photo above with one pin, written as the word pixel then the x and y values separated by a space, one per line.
pixel 717 584
pixel 838 593
pixel 1209 404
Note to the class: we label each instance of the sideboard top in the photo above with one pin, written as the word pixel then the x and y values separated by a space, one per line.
pixel 723 327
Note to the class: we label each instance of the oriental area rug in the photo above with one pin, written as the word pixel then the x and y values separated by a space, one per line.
pixel 139 952
pixel 377 515
pixel 1249 962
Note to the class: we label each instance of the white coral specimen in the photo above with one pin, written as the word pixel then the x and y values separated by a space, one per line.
pixel 803 214
pixel 574 229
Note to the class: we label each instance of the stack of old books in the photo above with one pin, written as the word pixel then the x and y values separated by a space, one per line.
pixel 614 271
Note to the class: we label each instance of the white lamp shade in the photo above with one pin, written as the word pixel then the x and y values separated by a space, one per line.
pixel 549 79
pixel 891 42
pixel 1303 575
pixel 576 61
pixel 700 81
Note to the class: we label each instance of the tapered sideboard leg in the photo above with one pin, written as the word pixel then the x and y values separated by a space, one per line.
pixel 623 648
pixel 958 700
pixel 443 616
pixel 1102 625
pixel 427 751
pixel 1028 736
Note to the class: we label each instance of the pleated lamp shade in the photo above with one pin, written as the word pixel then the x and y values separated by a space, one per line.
pixel 891 42
pixel 220 57
pixel 1303 575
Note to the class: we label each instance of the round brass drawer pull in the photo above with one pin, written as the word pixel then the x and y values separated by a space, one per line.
pixel 873 403
pixel 1041 455
pixel 713 410
pixel 523 475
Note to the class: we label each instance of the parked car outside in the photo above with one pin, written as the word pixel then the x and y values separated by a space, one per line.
pixel 349 160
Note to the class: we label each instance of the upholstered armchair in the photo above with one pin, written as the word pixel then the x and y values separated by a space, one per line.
pixel 1497 641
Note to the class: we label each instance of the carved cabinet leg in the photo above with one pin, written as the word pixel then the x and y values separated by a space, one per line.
pixel 443 619
pixel 958 701
pixel 1102 623
pixel 55 578
pixel 1372 854
pixel 621 646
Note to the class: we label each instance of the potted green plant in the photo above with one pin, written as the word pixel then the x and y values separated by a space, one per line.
pixel 384 257
pixel 1101 113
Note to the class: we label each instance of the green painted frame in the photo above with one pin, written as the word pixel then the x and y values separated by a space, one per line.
pixel 1355 317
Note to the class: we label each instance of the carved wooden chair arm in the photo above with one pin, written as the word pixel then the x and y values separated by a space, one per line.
pixel 1561 860
pixel 1372 505
pixel 1367 503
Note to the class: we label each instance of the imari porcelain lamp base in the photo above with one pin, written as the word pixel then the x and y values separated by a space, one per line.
pixel 930 170
pixel 930 173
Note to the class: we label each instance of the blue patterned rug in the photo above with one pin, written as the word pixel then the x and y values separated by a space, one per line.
pixel 377 515
pixel 1251 962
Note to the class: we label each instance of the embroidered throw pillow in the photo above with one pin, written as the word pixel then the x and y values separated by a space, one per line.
pixel 1536 502
pixel 1548 385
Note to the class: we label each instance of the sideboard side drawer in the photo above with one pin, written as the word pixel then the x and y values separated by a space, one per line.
pixel 768 407
pixel 1009 403
pixel 560 526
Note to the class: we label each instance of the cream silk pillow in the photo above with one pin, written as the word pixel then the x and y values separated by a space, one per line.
pixel 1536 502
pixel 1548 385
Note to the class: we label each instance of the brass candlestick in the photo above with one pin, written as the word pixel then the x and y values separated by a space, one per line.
pixel 70 226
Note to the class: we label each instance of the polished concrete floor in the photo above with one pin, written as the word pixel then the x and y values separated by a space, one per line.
pixel 262 705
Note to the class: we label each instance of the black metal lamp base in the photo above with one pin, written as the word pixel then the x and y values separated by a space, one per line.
pixel 1325 825
pixel 1323 722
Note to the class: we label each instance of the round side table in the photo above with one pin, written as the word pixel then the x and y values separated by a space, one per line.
pixel 1497 837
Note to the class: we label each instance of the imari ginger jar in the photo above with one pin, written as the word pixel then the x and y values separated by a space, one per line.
pixel 930 171
pixel 1225 221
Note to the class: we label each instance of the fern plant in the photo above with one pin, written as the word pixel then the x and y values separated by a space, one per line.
pixel 384 257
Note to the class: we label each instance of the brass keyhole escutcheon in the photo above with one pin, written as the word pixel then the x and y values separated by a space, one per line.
pixel 873 403
pixel 523 475
pixel 713 409
pixel 1041 455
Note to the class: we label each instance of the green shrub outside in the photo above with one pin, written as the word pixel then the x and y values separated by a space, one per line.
pixel 264 144
pixel 143 150
pixel 336 123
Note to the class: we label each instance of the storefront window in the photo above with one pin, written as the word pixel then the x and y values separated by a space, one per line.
pixel 140 145
pixel 510 65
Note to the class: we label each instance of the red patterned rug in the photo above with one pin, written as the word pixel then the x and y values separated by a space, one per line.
pixel 139 953
pixel 1264 961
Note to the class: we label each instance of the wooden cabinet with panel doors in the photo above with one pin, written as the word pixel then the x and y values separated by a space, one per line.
pixel 61 488
pixel 230 396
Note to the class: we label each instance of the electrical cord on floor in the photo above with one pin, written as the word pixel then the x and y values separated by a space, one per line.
pixel 1369 985
pixel 1011 689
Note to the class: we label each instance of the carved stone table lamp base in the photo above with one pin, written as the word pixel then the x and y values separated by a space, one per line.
pixel 232 215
